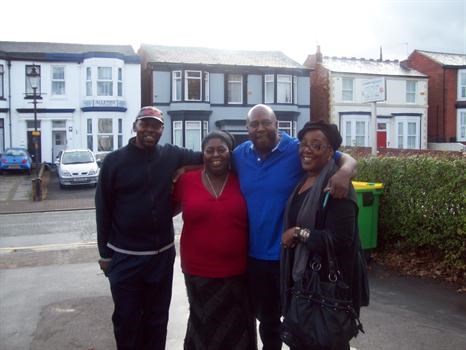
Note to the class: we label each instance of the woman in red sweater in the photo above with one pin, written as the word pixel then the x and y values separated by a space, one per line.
pixel 213 251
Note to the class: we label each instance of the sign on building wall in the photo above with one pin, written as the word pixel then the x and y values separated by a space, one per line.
pixel 373 90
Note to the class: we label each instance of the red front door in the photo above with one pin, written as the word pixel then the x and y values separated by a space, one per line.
pixel 381 138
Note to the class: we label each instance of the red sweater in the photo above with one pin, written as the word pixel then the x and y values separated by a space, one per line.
pixel 214 236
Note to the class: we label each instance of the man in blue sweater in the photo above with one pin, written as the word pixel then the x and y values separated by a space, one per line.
pixel 269 168
pixel 135 231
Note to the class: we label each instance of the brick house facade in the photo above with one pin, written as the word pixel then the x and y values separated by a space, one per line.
pixel 447 93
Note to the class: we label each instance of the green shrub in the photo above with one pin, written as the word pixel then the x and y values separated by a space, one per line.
pixel 423 204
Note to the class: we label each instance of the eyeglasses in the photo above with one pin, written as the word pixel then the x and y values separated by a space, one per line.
pixel 313 146
pixel 266 123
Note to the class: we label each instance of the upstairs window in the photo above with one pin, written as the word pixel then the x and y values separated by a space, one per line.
pixel 58 81
pixel 284 88
pixel 176 85
pixel 120 82
pixel 410 91
pixel 88 82
pixel 2 93
pixel 347 89
pixel 193 85
pixel 462 84
pixel 269 88
pixel 235 89
pixel 206 87
pixel 104 81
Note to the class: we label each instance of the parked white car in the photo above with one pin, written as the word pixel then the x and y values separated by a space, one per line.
pixel 77 167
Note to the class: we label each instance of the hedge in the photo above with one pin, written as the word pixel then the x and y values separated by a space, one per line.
pixel 423 204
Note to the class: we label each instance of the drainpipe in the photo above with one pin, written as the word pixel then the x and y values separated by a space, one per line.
pixel 9 102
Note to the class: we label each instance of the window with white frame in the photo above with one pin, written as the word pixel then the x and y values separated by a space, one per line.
pixel 177 130
pixel 88 82
pixel 90 139
pixel 176 85
pixel 347 89
pixel 411 91
pixel 30 71
pixel 269 88
pixel 104 81
pixel 284 88
pixel 104 134
pixel 295 89
pixel 58 80
pixel 120 82
pixel 355 130
pixel 408 132
pixel 2 73
pixel 193 85
pixel 462 84
pixel 206 87
pixel 461 126
pixel 235 88
pixel 120 132
pixel 287 126
pixel 193 135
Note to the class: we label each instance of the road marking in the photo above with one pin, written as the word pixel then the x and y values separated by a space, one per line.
pixel 45 247
pixel 58 246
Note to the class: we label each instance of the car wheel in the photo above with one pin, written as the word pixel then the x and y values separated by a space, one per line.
pixel 62 186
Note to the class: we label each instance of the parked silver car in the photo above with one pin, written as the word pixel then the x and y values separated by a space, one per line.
pixel 77 167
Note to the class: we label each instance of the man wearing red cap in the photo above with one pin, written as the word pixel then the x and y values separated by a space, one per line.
pixel 135 231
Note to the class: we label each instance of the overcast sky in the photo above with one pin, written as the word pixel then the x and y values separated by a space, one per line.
pixel 342 28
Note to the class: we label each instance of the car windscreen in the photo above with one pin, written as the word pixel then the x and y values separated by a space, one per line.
pixel 77 157
pixel 15 153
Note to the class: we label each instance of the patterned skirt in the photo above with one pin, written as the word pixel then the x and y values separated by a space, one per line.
pixel 220 316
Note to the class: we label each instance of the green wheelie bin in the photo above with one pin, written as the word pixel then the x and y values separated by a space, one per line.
pixel 368 196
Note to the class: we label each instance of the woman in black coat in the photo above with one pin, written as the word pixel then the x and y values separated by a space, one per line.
pixel 312 217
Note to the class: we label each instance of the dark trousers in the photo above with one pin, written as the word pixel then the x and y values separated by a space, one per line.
pixel 141 289
pixel 264 289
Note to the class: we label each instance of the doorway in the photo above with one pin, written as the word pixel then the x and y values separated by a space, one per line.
pixel 59 143
pixel 32 150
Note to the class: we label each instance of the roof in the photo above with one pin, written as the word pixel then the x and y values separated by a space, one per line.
pixel 368 66
pixel 201 55
pixel 445 59
pixel 55 51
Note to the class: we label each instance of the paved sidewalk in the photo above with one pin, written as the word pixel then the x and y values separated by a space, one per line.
pixel 15 196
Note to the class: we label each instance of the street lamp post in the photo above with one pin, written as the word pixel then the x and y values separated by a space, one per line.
pixel 33 77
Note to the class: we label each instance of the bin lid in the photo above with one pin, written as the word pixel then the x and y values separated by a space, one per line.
pixel 360 185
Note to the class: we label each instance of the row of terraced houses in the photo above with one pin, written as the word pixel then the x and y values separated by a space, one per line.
pixel 89 95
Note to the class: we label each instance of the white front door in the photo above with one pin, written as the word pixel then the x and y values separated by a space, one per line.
pixel 355 130
pixel 59 142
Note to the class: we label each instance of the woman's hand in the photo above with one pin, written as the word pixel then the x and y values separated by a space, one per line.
pixel 289 238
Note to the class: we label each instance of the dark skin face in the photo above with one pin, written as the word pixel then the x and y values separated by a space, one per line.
pixel 148 132
pixel 216 157
pixel 314 151
pixel 262 129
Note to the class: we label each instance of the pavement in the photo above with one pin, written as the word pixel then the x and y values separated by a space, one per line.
pixel 16 195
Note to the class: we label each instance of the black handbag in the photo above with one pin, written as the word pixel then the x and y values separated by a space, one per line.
pixel 320 314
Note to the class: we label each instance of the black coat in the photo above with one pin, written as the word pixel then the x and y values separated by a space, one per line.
pixel 338 220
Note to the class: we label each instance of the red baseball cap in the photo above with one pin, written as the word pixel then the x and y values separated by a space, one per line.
pixel 150 112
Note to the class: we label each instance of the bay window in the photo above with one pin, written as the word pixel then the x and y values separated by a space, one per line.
pixel 461 126
pixel 284 88
pixel 2 72
pixel 193 86
pixel 462 84
pixel 269 88
pixel 104 81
